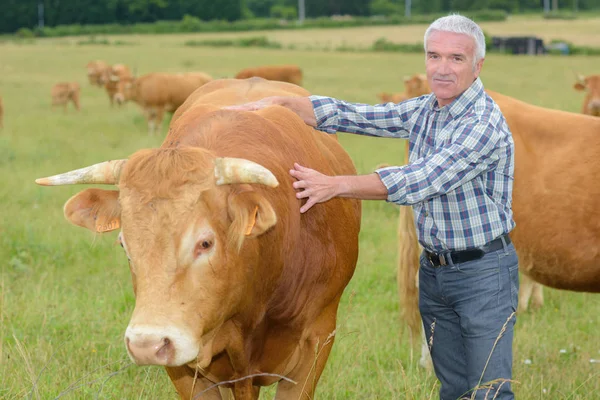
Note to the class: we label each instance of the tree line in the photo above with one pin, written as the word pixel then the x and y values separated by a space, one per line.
pixel 17 14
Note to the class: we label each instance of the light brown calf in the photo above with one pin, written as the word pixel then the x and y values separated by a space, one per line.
pixel 64 92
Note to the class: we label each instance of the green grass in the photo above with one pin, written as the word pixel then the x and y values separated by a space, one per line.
pixel 66 297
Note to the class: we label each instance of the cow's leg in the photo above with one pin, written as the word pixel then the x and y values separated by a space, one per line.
pixel 315 352
pixel 189 385
pixel 151 117
pixel 525 290
pixel 160 113
pixel 76 102
pixel 537 296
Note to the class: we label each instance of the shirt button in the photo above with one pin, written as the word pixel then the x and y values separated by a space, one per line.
pixel 427 213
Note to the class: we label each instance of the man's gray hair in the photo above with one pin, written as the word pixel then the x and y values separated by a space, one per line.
pixel 458 24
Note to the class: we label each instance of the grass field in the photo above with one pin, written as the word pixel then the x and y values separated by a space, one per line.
pixel 66 297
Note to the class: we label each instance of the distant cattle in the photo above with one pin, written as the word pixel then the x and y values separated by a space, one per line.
pixel 64 92
pixel 414 86
pixel 281 73
pixel 232 283
pixel 98 72
pixel 556 203
pixel 117 73
pixel 159 92
pixel 591 103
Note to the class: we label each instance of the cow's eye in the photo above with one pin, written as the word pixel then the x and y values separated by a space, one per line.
pixel 202 247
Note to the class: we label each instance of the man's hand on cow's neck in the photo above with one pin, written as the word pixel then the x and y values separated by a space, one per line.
pixel 314 186
pixel 319 188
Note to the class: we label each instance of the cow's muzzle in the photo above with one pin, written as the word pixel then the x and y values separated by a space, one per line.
pixel 168 346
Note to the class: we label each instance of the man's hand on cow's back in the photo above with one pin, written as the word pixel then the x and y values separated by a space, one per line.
pixel 302 106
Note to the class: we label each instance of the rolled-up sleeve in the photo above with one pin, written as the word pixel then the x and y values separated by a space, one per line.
pixel 474 149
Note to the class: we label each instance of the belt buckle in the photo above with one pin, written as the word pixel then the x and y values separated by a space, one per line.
pixel 442 259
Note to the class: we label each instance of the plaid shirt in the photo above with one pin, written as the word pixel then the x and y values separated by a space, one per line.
pixel 461 162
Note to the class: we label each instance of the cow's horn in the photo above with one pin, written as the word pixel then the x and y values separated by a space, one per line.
pixel 238 170
pixel 107 172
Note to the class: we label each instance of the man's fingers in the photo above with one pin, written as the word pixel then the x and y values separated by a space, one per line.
pixel 300 167
pixel 299 184
pixel 303 194
pixel 307 205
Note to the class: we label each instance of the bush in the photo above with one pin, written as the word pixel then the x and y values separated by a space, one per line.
pixel 382 44
pixel 25 33
pixel 560 15
pixel 258 41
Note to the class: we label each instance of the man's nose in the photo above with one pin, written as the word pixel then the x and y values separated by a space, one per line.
pixel 444 67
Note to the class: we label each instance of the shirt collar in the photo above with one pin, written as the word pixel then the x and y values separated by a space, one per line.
pixel 463 102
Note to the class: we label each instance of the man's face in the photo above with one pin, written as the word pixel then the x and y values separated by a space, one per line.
pixel 449 64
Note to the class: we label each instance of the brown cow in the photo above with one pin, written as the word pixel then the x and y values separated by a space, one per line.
pixel 283 73
pixel 556 203
pixel 230 280
pixel 159 92
pixel 97 72
pixel 414 86
pixel 591 103
pixel 116 73
pixel 64 92
pixel 1 113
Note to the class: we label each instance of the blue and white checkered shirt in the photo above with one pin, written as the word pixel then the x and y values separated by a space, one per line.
pixel 461 162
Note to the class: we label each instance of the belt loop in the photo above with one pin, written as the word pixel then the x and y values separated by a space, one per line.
pixel 504 245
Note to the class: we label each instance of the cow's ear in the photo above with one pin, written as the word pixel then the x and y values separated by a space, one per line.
pixel 252 215
pixel 579 86
pixel 95 209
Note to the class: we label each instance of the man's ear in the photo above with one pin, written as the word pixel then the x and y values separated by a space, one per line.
pixel 579 86
pixel 95 209
pixel 252 215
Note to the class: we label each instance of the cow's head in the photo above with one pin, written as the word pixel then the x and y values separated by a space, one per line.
pixel 416 85
pixel 125 88
pixel 188 222
pixel 591 84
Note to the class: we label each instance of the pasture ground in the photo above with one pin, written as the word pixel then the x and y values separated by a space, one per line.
pixel 65 294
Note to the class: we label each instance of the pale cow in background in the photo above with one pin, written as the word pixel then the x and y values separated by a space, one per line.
pixel 64 92
pixel 282 73
pixel 97 72
pixel 159 92
pixel 590 84
pixel 414 86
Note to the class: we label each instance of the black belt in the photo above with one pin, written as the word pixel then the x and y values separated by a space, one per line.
pixel 462 256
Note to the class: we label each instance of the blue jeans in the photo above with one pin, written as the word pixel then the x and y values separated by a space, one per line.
pixel 468 315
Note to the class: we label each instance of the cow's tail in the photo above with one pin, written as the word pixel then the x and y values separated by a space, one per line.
pixel 408 268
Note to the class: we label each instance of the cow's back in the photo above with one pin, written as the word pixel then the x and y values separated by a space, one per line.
pixel 282 73
pixel 168 90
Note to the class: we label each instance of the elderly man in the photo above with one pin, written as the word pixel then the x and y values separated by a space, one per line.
pixel 459 183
